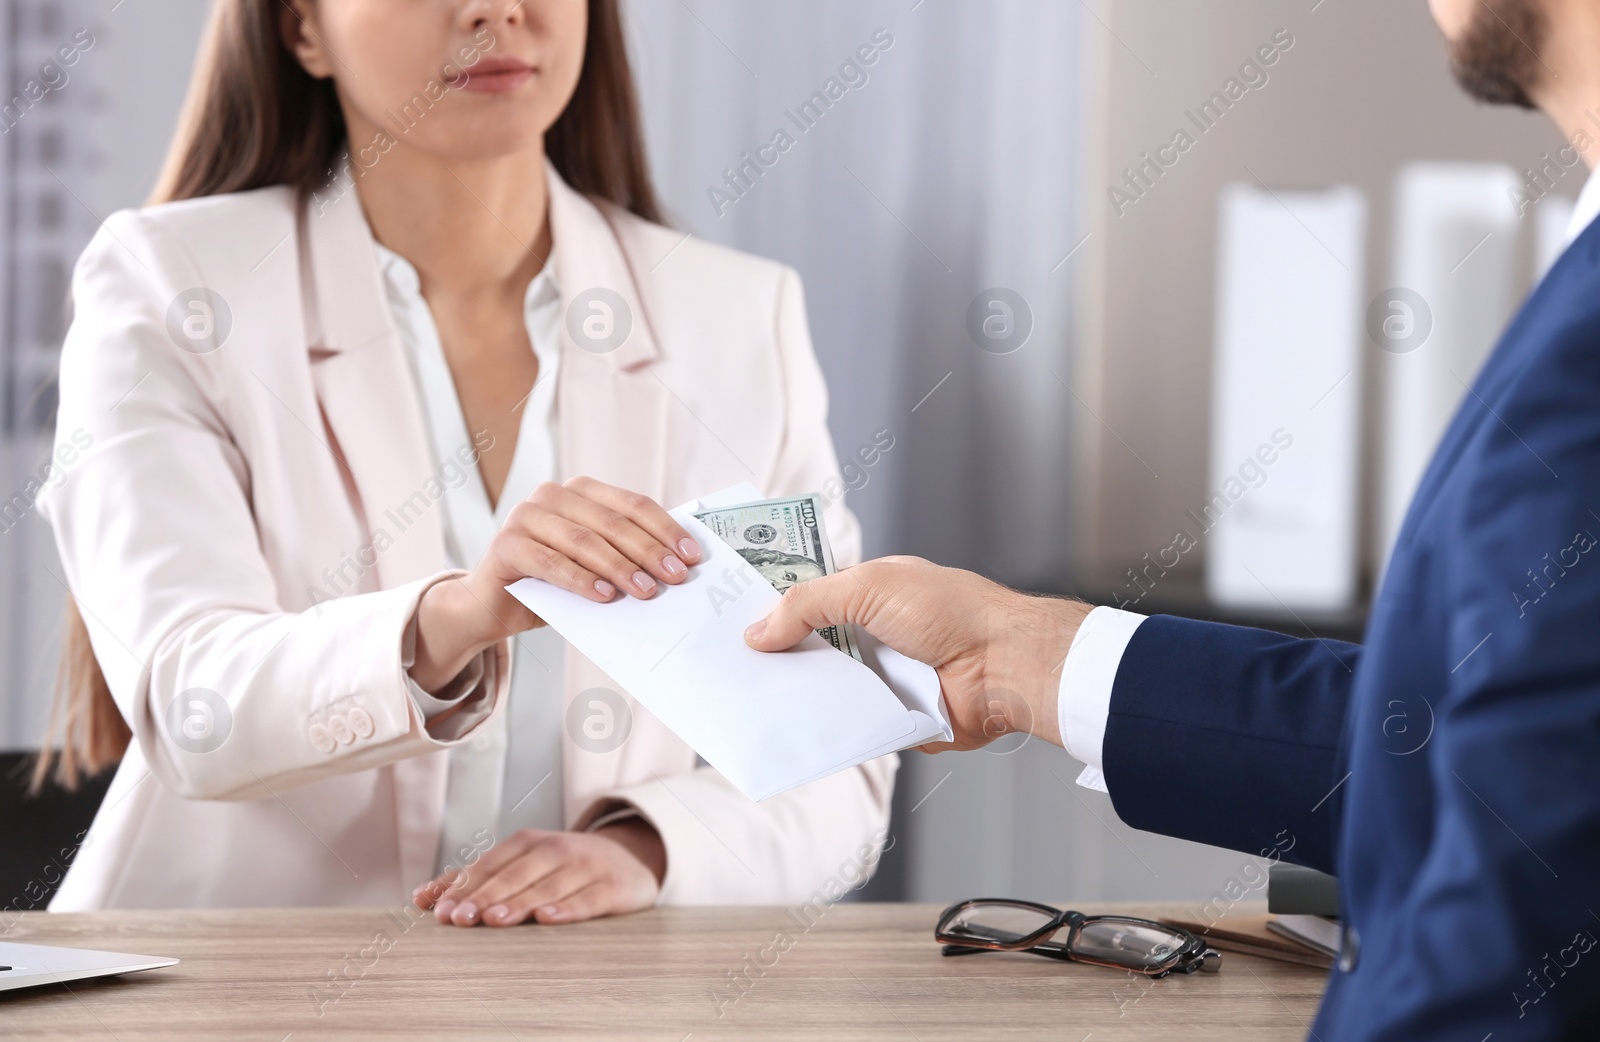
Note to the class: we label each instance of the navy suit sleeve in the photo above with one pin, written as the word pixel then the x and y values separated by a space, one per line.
pixel 1229 736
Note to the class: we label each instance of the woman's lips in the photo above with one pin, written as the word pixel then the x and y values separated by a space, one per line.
pixel 496 76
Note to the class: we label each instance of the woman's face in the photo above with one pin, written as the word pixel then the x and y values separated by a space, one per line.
pixel 458 79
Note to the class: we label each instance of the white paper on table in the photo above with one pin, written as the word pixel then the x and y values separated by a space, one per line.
pixel 767 722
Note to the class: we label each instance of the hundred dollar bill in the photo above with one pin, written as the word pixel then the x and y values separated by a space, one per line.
pixel 786 542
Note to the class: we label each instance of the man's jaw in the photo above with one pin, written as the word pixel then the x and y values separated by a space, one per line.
pixel 1497 57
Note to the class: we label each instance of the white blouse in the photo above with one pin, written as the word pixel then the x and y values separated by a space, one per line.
pixel 509 777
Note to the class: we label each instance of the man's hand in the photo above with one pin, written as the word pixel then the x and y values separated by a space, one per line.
pixel 998 653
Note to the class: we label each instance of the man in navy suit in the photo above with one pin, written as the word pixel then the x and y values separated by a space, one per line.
pixel 1448 769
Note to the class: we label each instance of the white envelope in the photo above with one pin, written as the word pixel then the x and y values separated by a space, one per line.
pixel 767 722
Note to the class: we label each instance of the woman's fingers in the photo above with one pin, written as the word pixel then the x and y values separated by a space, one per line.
pixel 521 554
pixel 591 902
pixel 596 551
pixel 425 895
pixel 594 521
pixel 552 877
pixel 544 859
pixel 437 889
pixel 644 512
pixel 448 886
pixel 520 907
pixel 662 556
pixel 595 539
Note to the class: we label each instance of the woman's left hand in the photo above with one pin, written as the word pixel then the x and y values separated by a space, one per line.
pixel 552 877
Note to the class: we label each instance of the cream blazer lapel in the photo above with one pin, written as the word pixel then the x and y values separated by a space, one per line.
pixel 373 412
pixel 611 406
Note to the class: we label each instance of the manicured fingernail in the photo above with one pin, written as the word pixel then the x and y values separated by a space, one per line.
pixel 604 588
pixel 756 629
pixel 498 913
pixel 688 549
pixel 442 910
pixel 643 582
pixel 672 566
pixel 466 913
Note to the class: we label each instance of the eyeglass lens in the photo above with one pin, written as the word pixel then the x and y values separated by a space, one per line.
pixel 1126 943
pixel 997 923
pixel 1119 941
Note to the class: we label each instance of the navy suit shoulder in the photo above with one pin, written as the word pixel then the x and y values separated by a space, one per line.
pixel 1465 817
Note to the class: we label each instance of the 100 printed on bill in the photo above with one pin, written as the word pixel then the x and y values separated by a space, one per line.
pixel 784 539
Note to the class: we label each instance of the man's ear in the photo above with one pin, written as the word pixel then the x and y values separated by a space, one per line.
pixel 297 26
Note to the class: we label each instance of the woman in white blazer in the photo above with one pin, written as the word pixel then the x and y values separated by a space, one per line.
pixel 401 329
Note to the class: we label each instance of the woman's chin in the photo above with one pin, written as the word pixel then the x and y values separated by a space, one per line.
pixel 477 142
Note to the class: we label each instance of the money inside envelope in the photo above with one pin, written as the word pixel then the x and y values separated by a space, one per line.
pixel 785 540
pixel 769 723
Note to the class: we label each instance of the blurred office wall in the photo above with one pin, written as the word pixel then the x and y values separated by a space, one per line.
pixel 952 164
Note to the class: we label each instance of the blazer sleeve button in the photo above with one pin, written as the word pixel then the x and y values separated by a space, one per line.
pixel 339 727
pixel 361 722
pixel 321 740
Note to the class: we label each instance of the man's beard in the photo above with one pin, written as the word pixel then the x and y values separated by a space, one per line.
pixel 1496 60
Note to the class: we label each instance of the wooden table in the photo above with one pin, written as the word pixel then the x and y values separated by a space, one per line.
pixel 861 971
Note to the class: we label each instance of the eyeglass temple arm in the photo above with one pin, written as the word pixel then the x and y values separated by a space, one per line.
pixel 1057 952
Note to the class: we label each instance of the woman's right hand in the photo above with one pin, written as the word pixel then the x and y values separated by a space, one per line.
pixel 583 535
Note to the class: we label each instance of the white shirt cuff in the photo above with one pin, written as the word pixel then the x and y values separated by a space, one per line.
pixel 611 817
pixel 464 684
pixel 477 677
pixel 1087 676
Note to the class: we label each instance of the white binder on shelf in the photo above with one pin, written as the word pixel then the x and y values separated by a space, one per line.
pixel 1550 223
pixel 1280 518
pixel 1456 247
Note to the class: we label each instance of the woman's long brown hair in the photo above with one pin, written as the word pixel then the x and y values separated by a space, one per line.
pixel 253 118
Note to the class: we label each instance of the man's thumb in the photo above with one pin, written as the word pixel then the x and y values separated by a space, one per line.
pixel 799 612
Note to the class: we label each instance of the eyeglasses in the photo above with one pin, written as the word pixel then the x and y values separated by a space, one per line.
pixel 1115 941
